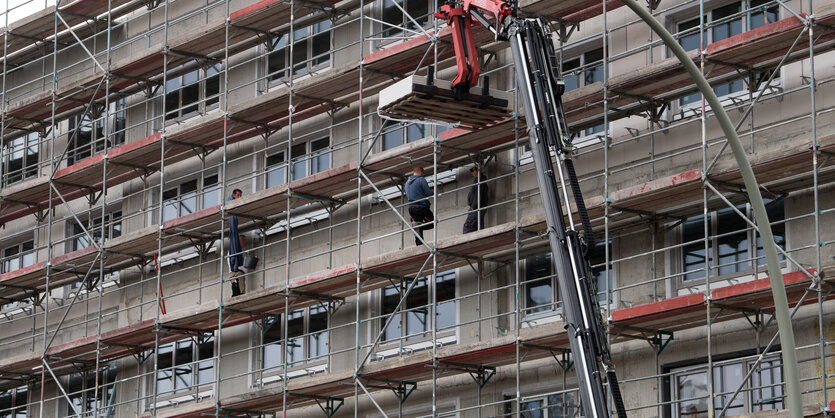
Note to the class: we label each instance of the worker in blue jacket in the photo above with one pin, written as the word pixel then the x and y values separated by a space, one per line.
pixel 419 193
pixel 236 254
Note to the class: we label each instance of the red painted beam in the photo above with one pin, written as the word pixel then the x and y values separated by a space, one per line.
pixel 667 307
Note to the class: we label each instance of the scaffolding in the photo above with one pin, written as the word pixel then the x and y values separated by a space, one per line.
pixel 126 124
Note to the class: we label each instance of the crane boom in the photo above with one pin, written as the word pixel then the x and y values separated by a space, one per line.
pixel 540 88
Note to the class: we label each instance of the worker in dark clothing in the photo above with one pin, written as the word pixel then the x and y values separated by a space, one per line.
pixel 236 253
pixel 476 200
pixel 418 193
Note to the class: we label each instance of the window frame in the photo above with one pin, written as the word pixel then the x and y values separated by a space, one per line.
pixel 554 307
pixel 193 390
pixel 205 185
pixel 16 409
pixel 388 34
pixel 23 249
pixel 95 145
pixel 89 391
pixel 584 67
pixel 112 229
pixel 744 16
pixel 29 159
pixel 205 100
pixel 752 239
pixel 313 62
pixel 405 131
pixel 771 363
pixel 310 350
pixel 412 340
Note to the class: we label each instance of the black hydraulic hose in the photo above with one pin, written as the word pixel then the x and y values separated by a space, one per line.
pixel 581 208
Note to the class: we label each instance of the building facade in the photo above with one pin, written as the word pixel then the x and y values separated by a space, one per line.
pixel 128 124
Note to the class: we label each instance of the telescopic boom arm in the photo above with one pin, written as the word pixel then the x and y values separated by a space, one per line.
pixel 541 88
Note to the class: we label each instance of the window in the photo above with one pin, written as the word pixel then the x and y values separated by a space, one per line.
pixel 20 159
pixel 559 405
pixel 13 402
pixel 540 280
pixel 414 315
pixel 276 169
pixel 762 392
pixel 394 135
pixel 112 229
pixel 188 197
pixel 603 275
pixel 729 245
pixel 584 70
pixel 87 135
pixel 18 256
pixel 193 92
pixel 311 51
pixel 395 18
pixel 724 22
pixel 186 366
pixel 307 331
pixel 88 399
pixel 309 158
pixel 540 284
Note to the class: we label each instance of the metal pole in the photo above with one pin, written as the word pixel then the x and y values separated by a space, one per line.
pixel 778 288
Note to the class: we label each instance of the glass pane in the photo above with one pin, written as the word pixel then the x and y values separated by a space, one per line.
pixel 28 254
pixel 532 410
pixel 172 104
pixel 694 254
pixel 392 139
pixel 276 169
pixel 539 291
pixel 602 274
pixel 692 394
pixel 689 40
pixel 191 97
pixel 415 131
pixel 563 405
pixel 727 28
pixel 299 154
pixel 769 392
pixel 393 16
pixel 595 73
pixel 212 90
pixel 272 342
pixel 191 77
pixel 183 374
pixel 391 297
pixel 418 11
pixel 205 368
pixel 321 155
pixel 763 16
pixel 318 323
pixel 776 213
pixel 733 248
pixel 321 48
pixel 300 57
pixel 726 379
pixel 277 64
pixel 417 318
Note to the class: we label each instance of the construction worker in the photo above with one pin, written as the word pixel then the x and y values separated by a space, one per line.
pixel 236 253
pixel 418 193
pixel 476 200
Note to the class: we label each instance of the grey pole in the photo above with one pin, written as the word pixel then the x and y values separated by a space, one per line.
pixel 778 288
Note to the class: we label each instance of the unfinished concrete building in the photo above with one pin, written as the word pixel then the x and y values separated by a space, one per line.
pixel 126 125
